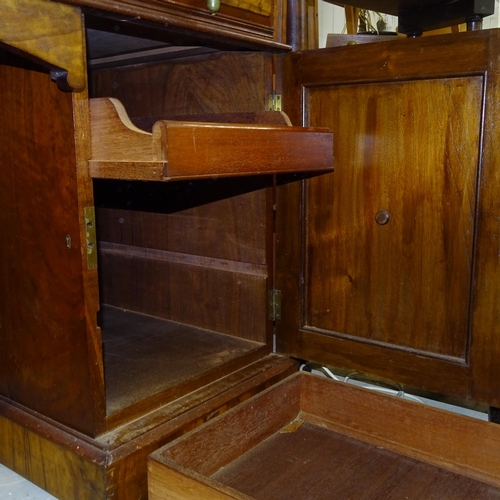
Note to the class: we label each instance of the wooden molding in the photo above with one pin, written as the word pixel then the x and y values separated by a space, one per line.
pixel 50 33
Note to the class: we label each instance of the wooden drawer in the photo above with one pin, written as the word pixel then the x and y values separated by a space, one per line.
pixel 251 144
pixel 310 437
pixel 245 23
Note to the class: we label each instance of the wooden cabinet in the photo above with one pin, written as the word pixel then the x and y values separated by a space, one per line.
pixel 132 309
pixel 387 267
pixel 137 264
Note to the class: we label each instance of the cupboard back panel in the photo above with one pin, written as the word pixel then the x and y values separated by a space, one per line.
pixel 228 302
pixel 229 229
pixel 235 82
pixel 196 252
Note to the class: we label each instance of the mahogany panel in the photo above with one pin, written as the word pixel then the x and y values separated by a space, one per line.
pixel 403 151
pixel 223 440
pixel 216 225
pixel 329 465
pixel 456 269
pixel 43 311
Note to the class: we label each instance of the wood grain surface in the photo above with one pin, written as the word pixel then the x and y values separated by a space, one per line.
pixel 51 366
pixel 419 305
pixel 321 464
pixel 327 446
pixel 181 150
pixel 49 32
pixel 225 82
pixel 402 148
pixel 239 23
pixel 146 357
pixel 114 465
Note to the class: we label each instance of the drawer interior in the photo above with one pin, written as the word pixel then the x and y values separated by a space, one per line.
pixel 310 437
pixel 324 463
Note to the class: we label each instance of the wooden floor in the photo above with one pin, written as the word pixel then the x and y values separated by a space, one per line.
pixel 144 356
pixel 314 462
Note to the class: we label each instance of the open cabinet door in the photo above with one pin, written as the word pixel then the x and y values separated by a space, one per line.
pixel 49 341
pixel 389 265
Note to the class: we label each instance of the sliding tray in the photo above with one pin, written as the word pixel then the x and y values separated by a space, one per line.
pixel 311 437
pixel 177 150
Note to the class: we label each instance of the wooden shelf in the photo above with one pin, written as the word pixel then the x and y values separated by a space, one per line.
pixel 177 150
pixel 150 360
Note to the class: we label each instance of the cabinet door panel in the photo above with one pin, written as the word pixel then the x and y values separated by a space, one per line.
pixel 405 152
pixel 413 300
pixel 48 338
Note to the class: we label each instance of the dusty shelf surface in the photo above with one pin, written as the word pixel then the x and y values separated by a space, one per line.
pixel 145 356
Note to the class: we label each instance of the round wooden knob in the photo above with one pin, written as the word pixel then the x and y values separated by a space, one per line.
pixel 382 217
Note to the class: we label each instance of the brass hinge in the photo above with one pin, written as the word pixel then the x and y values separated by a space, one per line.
pixel 274 304
pixel 90 236
pixel 274 102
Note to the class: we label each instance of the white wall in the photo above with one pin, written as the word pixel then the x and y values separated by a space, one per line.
pixel 331 19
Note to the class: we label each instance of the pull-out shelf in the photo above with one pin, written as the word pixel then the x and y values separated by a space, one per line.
pixel 177 150
pixel 310 437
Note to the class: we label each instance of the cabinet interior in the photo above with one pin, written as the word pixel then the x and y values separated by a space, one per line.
pixel 183 266
pixel 195 310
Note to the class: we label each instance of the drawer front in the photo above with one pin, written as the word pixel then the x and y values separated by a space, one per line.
pixel 249 22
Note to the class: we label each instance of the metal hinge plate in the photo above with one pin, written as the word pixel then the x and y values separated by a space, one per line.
pixel 274 102
pixel 90 237
pixel 274 304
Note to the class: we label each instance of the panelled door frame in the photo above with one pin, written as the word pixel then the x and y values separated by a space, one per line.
pixel 467 55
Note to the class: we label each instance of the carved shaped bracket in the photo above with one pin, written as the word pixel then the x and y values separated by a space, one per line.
pixel 50 33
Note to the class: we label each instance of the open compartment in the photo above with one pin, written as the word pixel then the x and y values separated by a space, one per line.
pixel 185 201
pixel 310 437
pixel 184 274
